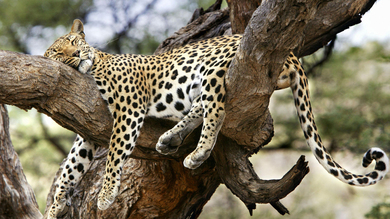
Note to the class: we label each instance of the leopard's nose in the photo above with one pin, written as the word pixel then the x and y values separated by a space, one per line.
pixel 76 53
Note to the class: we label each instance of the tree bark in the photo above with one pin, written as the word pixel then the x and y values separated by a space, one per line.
pixel 158 186
pixel 17 198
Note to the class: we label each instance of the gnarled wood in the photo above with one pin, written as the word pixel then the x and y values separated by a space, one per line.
pixel 17 198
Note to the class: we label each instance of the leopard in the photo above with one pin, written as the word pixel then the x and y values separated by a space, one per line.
pixel 187 85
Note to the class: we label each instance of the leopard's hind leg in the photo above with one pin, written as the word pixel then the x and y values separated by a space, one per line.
pixel 78 161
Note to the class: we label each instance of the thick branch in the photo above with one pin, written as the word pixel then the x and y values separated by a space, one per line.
pixel 332 17
pixel 237 173
pixel 17 198
pixel 252 76
pixel 70 98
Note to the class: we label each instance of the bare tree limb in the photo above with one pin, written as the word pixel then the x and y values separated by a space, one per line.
pixel 17 198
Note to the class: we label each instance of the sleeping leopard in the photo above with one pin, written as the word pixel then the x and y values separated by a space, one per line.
pixel 186 85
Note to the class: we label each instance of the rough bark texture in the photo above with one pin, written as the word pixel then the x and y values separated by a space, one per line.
pixel 17 198
pixel 158 186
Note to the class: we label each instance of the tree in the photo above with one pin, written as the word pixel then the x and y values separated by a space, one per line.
pixel 154 185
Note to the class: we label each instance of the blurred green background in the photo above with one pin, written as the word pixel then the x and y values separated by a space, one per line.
pixel 350 95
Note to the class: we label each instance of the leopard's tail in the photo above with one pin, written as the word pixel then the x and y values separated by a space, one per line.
pixel 302 103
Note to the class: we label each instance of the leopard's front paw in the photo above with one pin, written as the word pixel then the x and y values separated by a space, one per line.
pixel 84 66
pixel 107 197
pixel 58 208
pixel 169 142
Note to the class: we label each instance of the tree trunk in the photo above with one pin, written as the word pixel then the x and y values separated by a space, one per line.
pixel 158 186
pixel 17 199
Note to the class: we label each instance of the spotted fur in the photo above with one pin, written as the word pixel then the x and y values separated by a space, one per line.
pixel 186 85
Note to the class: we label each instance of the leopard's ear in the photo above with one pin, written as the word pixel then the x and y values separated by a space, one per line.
pixel 78 27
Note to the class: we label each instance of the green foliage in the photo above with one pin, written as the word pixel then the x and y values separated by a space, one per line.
pixel 18 17
pixel 40 12
pixel 379 211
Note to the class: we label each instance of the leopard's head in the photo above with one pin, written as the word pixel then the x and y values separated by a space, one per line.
pixel 72 49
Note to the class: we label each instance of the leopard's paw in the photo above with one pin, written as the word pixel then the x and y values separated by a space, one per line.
pixel 107 197
pixel 84 66
pixel 193 162
pixel 169 142
pixel 58 208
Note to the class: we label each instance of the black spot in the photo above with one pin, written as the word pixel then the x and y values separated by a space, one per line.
pixel 309 130
pixel 363 180
pixel 180 93
pixel 73 160
pixel 373 175
pixel 83 153
pixel 320 153
pixel 116 162
pixel 168 86
pixel 218 89
pixel 80 167
pixel 90 155
pixel 161 85
pixel 210 71
pixel 156 98
pixel 169 98
pixel 213 82
pixel 71 177
pixel 302 107
pixel 160 107
pixel 366 162
pixel 334 172
pixel 207 87
pixel 133 124
pixel 331 164
pixel 220 73
pixel 110 100
pixel 128 121
pixel 377 154
pixel 179 106
pixel 220 97
pixel 303 119
pixel 119 152
pixel 126 137
pixel 300 72
pixel 381 166
pixel 346 175
pixel 300 93
pixel 182 79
